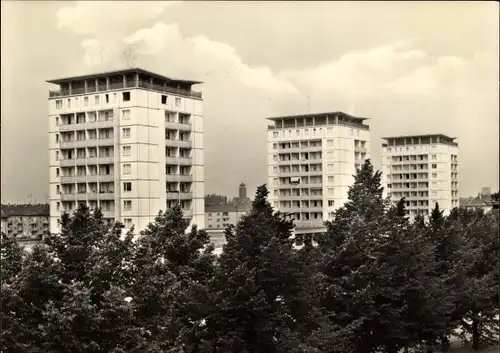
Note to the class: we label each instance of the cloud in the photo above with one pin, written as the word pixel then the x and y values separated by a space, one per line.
pixel 199 56
pixel 400 86
pixel 90 17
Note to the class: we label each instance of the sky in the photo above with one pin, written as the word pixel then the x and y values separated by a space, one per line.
pixel 409 67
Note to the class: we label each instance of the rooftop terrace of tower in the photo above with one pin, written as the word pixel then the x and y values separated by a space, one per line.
pixel 319 119
pixel 122 79
pixel 425 139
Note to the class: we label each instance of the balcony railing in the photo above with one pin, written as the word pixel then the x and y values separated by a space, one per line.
pixel 179 143
pixel 179 160
pixel 124 85
pixel 174 195
pixel 179 178
pixel 177 126
pixel 309 224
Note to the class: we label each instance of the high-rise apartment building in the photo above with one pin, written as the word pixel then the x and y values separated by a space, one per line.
pixel 129 142
pixel 311 162
pixel 423 169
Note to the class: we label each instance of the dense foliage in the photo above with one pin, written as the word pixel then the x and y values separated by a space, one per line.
pixel 374 282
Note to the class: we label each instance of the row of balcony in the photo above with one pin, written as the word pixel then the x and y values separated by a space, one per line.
pixel 299 224
pixel 301 209
pixel 87 196
pixel 300 173
pixel 87 125
pixel 123 85
pixel 81 161
pixel 109 141
pixel 299 149
pixel 110 178
pixel 299 197
pixel 111 196
pixel 87 179
pixel 300 186
pixel 300 161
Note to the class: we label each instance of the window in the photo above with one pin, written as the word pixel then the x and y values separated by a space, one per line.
pixel 57 120
pixel 126 169
pixel 434 166
pixel 58 104
pixel 126 150
pixel 69 103
pixel 126 132
pixel 177 102
pixel 275 134
pixel 114 98
pixel 434 175
pixel 58 205
pixel 126 96
pixel 331 191
pixel 58 189
pixel 57 138
pixel 330 143
pixel 85 101
pixel 330 179
pixel 275 146
pixel 126 114
pixel 433 156
pixel 57 155
pixel 331 203
pixel 127 205
pixel 127 187
pixel 330 167
pixel 106 98
pixel 127 222
pixel 163 99
pixel 96 100
pixel 57 172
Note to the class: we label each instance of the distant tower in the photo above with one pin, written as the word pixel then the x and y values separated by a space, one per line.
pixel 242 191
pixel 486 191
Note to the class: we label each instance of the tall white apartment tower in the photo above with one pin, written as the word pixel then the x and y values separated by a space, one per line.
pixel 311 163
pixel 129 142
pixel 423 169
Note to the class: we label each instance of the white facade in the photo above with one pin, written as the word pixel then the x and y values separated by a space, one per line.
pixel 423 169
pixel 128 143
pixel 311 163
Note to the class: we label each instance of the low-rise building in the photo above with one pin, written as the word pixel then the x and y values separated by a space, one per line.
pixel 483 200
pixel 218 217
pixel 28 223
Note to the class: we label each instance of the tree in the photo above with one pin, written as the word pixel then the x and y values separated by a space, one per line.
pixel 364 201
pixel 11 258
pixel 173 267
pixel 70 293
pixel 478 300
pixel 258 286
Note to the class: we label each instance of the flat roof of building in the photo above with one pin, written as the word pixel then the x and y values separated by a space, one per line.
pixel 26 210
pixel 228 208
pixel 315 115
pixel 423 135
pixel 122 72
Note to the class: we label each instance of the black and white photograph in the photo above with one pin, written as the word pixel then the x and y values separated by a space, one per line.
pixel 250 176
